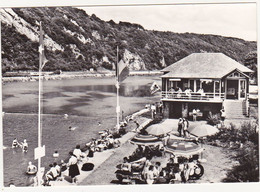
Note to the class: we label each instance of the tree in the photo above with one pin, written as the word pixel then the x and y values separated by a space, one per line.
pixel 250 61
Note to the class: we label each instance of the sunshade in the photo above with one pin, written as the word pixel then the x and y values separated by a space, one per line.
pixel 182 148
pixel 159 129
pixel 203 130
pixel 145 140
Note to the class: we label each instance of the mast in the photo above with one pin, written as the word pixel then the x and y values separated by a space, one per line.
pixel 1 118
pixel 39 101
pixel 117 91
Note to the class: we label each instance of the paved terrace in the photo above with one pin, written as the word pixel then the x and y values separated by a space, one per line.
pixel 105 162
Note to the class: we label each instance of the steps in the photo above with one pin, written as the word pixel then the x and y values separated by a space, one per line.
pixel 234 109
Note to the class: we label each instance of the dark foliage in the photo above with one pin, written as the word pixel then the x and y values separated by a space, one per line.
pixel 213 119
pixel 245 143
pixel 20 53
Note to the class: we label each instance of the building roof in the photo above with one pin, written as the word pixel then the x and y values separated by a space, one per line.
pixel 204 65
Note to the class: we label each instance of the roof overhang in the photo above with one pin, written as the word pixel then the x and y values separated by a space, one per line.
pixel 240 72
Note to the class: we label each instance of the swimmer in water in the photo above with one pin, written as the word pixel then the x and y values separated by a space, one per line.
pixel 24 146
pixel 56 154
pixel 72 128
pixel 66 116
pixel 31 168
pixel 15 143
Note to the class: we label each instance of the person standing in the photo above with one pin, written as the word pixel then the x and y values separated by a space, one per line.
pixel 77 152
pixel 153 110
pixel 73 167
pixel 223 115
pixel 180 126
pixel 24 146
pixel 137 125
pixel 194 114
pixel 185 127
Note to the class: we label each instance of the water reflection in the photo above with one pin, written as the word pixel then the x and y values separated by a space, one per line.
pixel 125 90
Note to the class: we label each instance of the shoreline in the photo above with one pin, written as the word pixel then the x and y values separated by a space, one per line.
pixel 75 75
pixel 101 157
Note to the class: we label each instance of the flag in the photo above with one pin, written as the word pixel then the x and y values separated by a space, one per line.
pixel 154 88
pixel 41 49
pixel 122 71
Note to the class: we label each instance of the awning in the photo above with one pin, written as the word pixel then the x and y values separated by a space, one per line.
pixel 174 79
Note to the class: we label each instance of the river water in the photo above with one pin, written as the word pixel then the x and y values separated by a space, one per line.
pixel 86 101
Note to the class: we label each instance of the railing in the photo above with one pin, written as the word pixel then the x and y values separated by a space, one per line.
pixel 193 96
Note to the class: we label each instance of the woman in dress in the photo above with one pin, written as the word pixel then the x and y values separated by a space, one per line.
pixel 73 167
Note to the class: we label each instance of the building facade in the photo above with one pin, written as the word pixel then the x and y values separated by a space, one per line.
pixel 205 82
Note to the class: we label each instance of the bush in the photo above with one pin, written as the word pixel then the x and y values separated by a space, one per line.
pixel 248 169
pixel 245 141
pixel 213 119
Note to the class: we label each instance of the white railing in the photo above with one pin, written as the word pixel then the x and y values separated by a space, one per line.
pixel 192 96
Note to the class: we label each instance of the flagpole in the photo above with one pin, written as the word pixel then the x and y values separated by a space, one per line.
pixel 1 111
pixel 39 106
pixel 117 91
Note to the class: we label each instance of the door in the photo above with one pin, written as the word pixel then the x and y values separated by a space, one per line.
pixel 232 89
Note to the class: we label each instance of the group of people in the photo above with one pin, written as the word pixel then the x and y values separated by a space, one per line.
pixel 177 92
pixel 55 170
pixel 156 108
pixel 177 169
pixel 183 126
pixel 23 145
pixel 195 114
pixel 106 141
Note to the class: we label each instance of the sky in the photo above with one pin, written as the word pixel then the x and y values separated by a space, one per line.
pixel 232 20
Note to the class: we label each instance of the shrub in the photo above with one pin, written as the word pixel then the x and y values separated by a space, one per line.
pixel 213 119
pixel 248 168
pixel 245 140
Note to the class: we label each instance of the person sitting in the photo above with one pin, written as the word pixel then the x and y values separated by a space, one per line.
pixel 56 154
pixel 172 89
pixel 126 166
pixel 147 164
pixel 58 168
pixel 138 165
pixel 170 164
pixel 201 91
pixel 110 142
pixel 31 168
pixel 150 175
pixel 188 92
pixel 63 166
pixel 52 174
pixel 15 143
pixel 162 179
pixel 157 169
pixel 91 152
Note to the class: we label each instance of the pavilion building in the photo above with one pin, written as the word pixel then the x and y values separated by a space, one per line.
pixel 205 81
